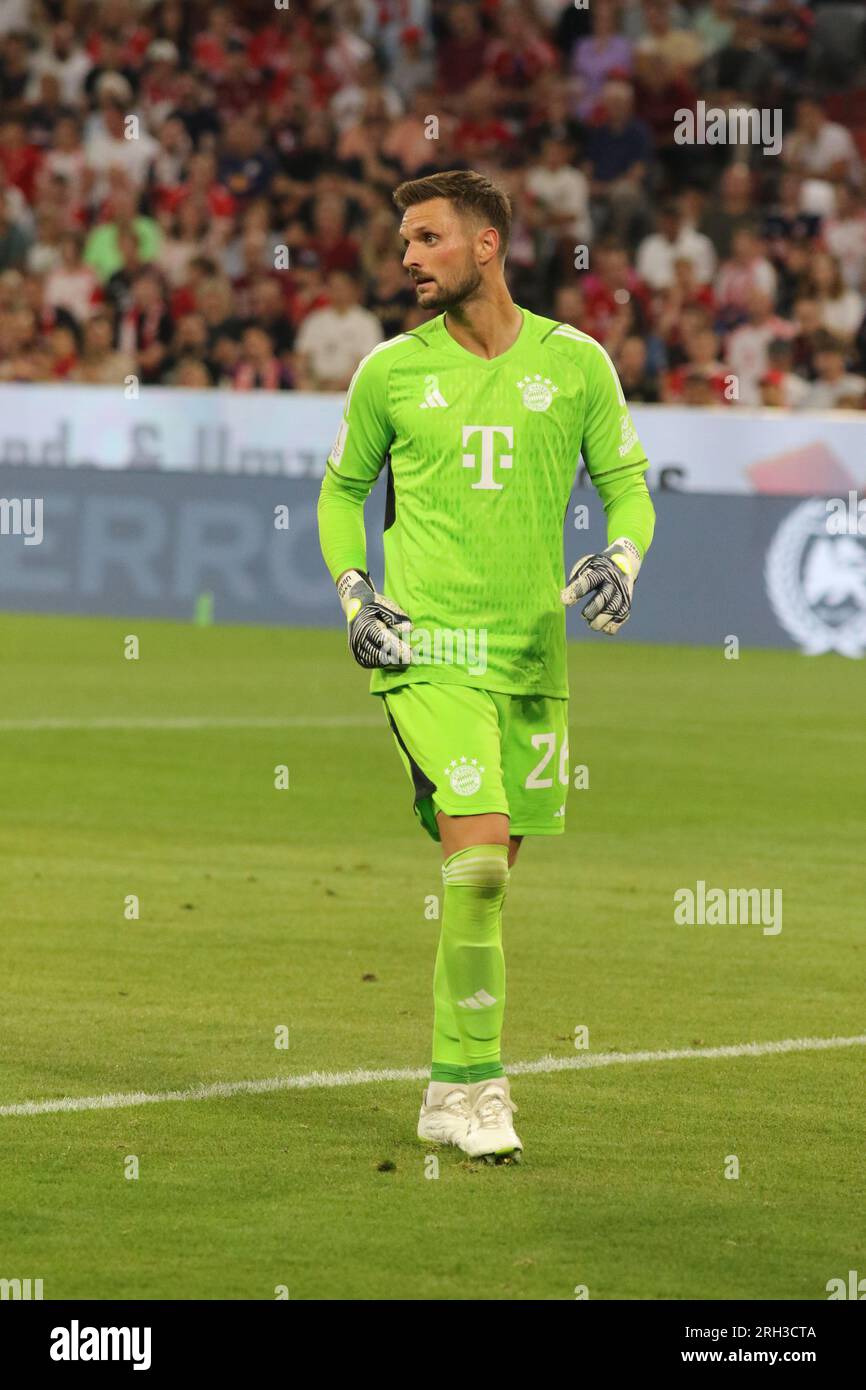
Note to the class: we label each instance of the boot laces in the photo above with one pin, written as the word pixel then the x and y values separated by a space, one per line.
pixel 494 1110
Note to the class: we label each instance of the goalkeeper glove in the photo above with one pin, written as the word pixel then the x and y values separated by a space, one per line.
pixel 610 578
pixel 375 623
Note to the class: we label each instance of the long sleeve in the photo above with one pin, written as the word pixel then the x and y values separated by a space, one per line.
pixel 354 464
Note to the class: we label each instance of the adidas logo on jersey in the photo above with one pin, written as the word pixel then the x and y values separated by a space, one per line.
pixel 433 396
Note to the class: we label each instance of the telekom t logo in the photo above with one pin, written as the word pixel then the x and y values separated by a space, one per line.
pixel 487 458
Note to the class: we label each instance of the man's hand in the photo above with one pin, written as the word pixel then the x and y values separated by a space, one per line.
pixel 610 577
pixel 375 623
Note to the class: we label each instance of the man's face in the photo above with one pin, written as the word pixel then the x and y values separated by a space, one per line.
pixel 439 255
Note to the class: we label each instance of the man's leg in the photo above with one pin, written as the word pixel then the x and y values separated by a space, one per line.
pixel 469 980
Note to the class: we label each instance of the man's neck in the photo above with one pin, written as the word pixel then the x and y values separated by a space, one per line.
pixel 487 327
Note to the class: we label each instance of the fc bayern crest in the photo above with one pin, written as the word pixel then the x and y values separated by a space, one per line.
pixel 816 582
pixel 538 391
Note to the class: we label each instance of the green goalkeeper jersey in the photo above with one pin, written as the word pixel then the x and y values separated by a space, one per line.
pixel 482 456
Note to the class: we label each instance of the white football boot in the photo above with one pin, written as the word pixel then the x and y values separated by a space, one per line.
pixel 491 1132
pixel 445 1113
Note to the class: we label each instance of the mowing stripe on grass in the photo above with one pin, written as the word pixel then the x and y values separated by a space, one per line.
pixel 283 721
pixel 314 1080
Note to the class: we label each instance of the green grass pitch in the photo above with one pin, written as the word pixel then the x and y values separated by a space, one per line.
pixel 305 908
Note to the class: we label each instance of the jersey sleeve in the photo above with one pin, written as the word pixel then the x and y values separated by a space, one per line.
pixel 613 454
pixel 354 463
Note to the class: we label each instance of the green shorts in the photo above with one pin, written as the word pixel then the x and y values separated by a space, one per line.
pixel 469 751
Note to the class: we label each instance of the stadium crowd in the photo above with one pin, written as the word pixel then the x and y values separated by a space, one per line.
pixel 200 194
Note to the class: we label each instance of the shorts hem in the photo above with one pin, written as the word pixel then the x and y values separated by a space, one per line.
pixel 537 830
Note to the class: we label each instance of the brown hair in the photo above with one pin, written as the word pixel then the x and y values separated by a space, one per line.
pixel 471 195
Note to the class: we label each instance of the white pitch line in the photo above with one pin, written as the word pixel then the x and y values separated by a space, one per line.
pixel 285 721
pixel 315 1080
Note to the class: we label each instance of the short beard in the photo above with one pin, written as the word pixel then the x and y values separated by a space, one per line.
pixel 457 294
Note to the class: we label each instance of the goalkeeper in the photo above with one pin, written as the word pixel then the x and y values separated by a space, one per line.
pixel 479 416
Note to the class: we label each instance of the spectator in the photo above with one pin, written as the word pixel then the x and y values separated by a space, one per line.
pixel 842 307
pixel 331 242
pixel 191 235
pixel 820 147
pixel 332 341
pixel 192 372
pixel 461 52
pixel 835 385
pixel 742 65
pixel 611 286
pixel 44 253
pixel 481 134
pixel 14 67
pixel 734 209
pixel 603 54
pixel 367 93
pixel 145 329
pixel 638 382
pixel 72 285
pixel 100 364
pixel 844 234
pixel 216 302
pixel 391 296
pixel 746 272
pixel 780 385
pixel 161 86
pixel 415 65
pixel 702 361
pixel 747 347
pixel 680 50
pixel 807 322
pixel 108 148
pixel 246 167
pixel 61 355
pixel 63 59
pixel 67 158
pixel 259 368
pixel 619 156
pixel 118 287
pixel 102 247
pixel 167 168
pixel 674 240
pixel 306 287
pixel 561 194
pixel 517 55
pixel 714 25
pixel 20 159
pixel 268 311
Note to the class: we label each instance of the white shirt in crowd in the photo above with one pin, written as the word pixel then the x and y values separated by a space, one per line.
pixel 564 190
pixel 70 73
pixel 824 395
pixel 74 290
pixel 746 354
pixel 335 342
pixel 133 156
pixel 817 153
pixel 845 238
pixel 656 256
pixel 843 316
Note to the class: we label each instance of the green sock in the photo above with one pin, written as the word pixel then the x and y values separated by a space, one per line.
pixel 469 984
pixel 449 1063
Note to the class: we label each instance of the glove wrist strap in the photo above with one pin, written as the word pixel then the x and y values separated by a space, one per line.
pixel 347 583
pixel 631 550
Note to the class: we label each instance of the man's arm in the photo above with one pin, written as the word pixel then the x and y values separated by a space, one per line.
pixel 616 463
pixel 353 465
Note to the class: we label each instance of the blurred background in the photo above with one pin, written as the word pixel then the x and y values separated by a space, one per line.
pixel 198 245
pixel 154 248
